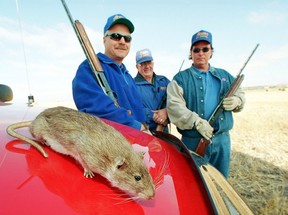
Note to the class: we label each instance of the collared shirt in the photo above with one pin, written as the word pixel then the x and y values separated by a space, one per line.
pixel 211 87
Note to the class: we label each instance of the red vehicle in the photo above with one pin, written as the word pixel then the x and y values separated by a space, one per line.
pixel 31 184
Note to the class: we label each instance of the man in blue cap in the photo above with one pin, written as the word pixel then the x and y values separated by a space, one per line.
pixel 89 96
pixel 152 89
pixel 193 95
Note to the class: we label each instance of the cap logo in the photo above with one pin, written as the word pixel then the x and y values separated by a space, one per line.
pixel 202 34
pixel 143 54
pixel 117 17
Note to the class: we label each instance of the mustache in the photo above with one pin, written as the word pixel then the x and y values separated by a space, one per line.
pixel 122 47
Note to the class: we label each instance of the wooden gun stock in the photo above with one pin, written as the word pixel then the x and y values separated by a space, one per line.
pixel 159 127
pixel 202 145
pixel 93 60
pixel 88 47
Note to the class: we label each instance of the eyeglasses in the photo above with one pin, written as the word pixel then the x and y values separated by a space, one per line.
pixel 197 50
pixel 118 36
pixel 146 63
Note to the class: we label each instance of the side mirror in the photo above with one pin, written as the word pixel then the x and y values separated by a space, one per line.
pixel 6 93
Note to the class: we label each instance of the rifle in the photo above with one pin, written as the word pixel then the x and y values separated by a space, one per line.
pixel 203 143
pixel 90 55
pixel 160 127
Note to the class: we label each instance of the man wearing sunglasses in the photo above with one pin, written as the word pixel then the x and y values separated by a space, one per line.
pixel 193 95
pixel 89 96
pixel 152 89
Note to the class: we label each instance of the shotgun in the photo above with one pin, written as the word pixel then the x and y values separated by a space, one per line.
pixel 203 143
pixel 160 127
pixel 90 55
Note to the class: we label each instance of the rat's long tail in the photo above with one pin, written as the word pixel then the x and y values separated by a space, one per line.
pixel 11 131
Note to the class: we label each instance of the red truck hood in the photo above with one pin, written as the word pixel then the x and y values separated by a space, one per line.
pixel 32 184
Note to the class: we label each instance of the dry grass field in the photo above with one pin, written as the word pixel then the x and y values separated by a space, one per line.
pixel 259 162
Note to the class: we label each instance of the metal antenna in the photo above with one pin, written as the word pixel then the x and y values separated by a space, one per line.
pixel 24 52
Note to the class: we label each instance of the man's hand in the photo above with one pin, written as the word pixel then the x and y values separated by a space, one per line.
pixel 161 117
pixel 204 128
pixel 231 103
pixel 145 129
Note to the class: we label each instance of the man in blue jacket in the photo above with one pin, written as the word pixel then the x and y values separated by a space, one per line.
pixel 87 94
pixel 152 89
pixel 193 95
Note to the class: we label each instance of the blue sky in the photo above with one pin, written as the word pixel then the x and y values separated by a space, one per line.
pixel 53 53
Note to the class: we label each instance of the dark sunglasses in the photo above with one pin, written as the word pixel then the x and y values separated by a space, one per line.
pixel 197 50
pixel 118 36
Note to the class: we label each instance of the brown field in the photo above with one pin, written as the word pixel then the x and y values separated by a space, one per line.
pixel 259 162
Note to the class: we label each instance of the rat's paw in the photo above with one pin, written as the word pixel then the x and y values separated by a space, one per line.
pixel 88 173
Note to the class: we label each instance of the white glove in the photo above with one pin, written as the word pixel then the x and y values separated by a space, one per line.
pixel 204 128
pixel 231 103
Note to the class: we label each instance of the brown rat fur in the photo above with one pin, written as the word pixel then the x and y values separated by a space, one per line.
pixel 98 147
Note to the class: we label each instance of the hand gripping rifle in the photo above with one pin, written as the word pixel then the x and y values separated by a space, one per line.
pixel 90 55
pixel 160 127
pixel 203 143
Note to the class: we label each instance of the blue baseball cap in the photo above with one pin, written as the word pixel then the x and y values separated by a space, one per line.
pixel 143 55
pixel 202 36
pixel 118 19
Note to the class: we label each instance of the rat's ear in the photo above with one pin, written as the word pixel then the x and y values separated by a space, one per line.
pixel 120 163
pixel 141 154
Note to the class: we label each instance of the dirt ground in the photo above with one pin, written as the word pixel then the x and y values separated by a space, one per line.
pixel 259 161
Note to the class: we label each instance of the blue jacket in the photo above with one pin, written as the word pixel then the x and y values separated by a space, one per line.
pixel 153 95
pixel 89 97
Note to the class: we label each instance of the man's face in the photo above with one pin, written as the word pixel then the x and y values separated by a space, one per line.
pixel 146 69
pixel 117 48
pixel 201 53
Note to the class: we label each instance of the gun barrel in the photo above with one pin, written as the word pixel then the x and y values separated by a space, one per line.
pixel 68 12
pixel 248 59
